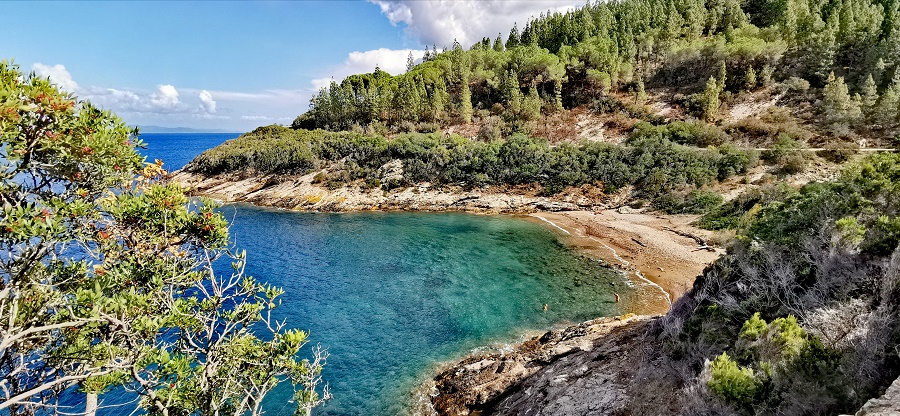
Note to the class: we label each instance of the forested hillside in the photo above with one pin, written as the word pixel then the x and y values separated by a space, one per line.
pixel 801 316
pixel 835 62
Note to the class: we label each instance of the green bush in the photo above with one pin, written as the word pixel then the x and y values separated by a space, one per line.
pixel 734 384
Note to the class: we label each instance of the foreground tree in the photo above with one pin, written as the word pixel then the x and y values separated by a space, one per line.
pixel 107 278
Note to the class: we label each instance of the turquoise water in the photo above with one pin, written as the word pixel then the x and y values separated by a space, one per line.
pixel 391 295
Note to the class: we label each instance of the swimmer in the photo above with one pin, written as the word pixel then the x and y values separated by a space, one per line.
pixel 545 307
pixel 617 297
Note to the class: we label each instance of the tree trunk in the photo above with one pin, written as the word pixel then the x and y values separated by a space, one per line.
pixel 90 404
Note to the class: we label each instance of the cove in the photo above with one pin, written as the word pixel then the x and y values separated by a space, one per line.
pixel 390 295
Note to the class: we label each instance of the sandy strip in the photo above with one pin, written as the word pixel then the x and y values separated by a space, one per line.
pixel 641 244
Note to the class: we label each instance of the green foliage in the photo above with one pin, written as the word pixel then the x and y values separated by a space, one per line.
pixel 710 100
pixel 649 159
pixel 864 190
pixel 731 382
pixel 754 328
pixel 108 274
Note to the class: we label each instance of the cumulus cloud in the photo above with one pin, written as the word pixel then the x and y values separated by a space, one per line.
pixel 392 61
pixel 207 102
pixel 58 75
pixel 165 97
pixel 438 22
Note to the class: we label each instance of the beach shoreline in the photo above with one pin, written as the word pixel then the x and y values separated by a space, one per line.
pixel 662 253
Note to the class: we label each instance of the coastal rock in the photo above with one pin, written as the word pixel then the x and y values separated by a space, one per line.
pixel 575 371
pixel 886 405
pixel 305 193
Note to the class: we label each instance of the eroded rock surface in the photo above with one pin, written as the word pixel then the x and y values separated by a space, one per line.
pixel 584 369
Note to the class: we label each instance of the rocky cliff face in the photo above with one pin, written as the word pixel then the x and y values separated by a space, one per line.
pixel 590 368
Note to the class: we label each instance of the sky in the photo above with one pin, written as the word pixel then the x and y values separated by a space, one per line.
pixel 235 65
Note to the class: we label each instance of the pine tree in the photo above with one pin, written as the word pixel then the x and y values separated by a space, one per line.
pixel 513 40
pixel 531 108
pixel 711 99
pixel 498 43
pixel 750 79
pixel 869 97
pixel 839 107
pixel 640 93
pixel 410 62
pixel 465 105
pixel 722 76
pixel 887 111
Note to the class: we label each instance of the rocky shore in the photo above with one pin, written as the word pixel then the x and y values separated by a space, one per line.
pixel 302 193
pixel 584 369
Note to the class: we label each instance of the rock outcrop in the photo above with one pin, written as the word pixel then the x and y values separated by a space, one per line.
pixel 582 370
pixel 303 193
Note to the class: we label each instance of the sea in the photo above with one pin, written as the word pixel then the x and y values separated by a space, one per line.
pixel 393 296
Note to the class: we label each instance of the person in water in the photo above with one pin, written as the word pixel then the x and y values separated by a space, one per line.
pixel 545 307
pixel 617 297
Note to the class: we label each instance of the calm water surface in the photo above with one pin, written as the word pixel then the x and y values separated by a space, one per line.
pixel 392 294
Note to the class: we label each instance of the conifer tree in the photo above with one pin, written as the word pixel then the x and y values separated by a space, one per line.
pixel 750 79
pixel 869 97
pixel 711 99
pixel 887 111
pixel 723 73
pixel 513 40
pixel 839 108
pixel 410 62
pixel 465 98
pixel 498 43
pixel 531 108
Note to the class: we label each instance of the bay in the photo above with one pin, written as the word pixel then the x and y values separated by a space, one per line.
pixel 391 295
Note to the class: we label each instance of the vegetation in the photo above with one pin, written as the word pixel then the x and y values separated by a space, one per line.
pixel 822 264
pixel 107 276
pixel 710 51
pixel 649 159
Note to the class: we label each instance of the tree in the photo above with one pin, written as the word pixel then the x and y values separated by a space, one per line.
pixel 108 278
pixel 410 62
pixel 711 100
pixel 839 107
pixel 750 79
pixel 513 40
pixel 870 96
pixel 498 43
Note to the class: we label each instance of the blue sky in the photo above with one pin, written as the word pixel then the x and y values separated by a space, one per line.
pixel 234 65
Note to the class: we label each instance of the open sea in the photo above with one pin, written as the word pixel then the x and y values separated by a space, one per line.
pixel 393 295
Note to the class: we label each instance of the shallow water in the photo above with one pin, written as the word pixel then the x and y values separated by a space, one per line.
pixel 390 294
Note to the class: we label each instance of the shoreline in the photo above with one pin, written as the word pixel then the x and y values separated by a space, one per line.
pixel 658 253
pixel 652 250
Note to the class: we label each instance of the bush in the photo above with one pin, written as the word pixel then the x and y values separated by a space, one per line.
pixel 734 384
pixel 839 153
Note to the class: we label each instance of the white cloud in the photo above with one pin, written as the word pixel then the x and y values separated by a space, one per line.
pixel 264 118
pixel 168 105
pixel 165 97
pixel 438 22
pixel 207 102
pixel 58 75
pixel 392 61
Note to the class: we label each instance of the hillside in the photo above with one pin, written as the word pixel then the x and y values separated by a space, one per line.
pixel 774 121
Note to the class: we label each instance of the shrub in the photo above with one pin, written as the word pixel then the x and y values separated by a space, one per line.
pixel 732 383
pixel 839 153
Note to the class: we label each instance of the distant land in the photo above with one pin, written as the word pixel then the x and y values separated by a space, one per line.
pixel 159 129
